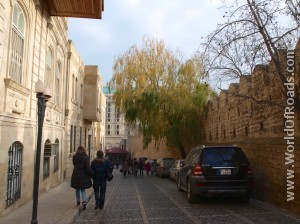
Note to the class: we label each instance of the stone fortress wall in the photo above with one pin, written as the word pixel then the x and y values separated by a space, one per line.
pixel 234 118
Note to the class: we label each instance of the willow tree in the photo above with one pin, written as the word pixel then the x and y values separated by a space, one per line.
pixel 161 95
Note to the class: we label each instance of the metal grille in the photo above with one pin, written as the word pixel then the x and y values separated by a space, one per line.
pixel 16 59
pixel 56 155
pixel 47 155
pixel 46 167
pixel 14 174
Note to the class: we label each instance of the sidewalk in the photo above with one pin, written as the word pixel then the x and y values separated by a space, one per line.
pixel 55 206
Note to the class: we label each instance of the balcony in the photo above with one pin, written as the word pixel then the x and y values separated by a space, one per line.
pixel 76 8
pixel 92 93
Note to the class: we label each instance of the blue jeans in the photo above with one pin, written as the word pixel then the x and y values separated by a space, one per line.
pixel 83 195
pixel 99 186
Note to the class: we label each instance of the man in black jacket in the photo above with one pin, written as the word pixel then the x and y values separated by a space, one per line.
pixel 100 166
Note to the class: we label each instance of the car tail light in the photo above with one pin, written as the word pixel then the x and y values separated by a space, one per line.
pixel 198 170
pixel 249 171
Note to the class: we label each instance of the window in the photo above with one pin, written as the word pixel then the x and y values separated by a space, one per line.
pixel 48 75
pixel 261 126
pixel 85 134
pixel 117 129
pixel 14 173
pixel 108 129
pixel 17 44
pixel 246 131
pixel 57 83
pixel 76 85
pixel 73 85
pixel 71 138
pixel 80 137
pixel 74 145
pixel 81 95
pixel 47 155
pixel 56 154
pixel 46 167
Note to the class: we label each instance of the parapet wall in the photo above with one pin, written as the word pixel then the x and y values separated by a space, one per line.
pixel 234 117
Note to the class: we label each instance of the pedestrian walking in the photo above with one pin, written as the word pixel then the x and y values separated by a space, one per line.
pixel 153 165
pixel 147 168
pixel 81 176
pixel 124 167
pixel 100 166
pixel 135 167
pixel 130 166
pixel 141 167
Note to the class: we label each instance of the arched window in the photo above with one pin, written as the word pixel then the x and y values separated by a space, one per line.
pixel 57 83
pixel 17 44
pixel 48 75
pixel 14 173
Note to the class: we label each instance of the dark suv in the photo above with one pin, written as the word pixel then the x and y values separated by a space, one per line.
pixel 213 170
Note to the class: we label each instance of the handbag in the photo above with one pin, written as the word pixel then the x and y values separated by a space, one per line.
pixel 109 175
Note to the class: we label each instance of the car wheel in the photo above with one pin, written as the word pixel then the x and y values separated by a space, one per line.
pixel 178 184
pixel 190 195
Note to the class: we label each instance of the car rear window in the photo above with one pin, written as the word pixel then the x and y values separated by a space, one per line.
pixel 221 155
pixel 168 162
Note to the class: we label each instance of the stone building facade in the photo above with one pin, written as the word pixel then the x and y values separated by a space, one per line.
pixel 115 130
pixel 235 118
pixel 34 46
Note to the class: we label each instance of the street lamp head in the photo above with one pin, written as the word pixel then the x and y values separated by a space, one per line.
pixel 39 86
pixel 47 91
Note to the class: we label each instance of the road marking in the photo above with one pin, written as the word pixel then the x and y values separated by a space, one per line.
pixel 144 215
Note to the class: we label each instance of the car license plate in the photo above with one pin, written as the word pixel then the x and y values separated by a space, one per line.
pixel 225 171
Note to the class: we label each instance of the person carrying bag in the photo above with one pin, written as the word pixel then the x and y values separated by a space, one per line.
pixel 103 171
pixel 81 176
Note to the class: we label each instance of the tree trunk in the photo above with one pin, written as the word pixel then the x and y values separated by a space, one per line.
pixel 182 152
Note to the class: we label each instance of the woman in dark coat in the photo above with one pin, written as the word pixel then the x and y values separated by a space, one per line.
pixel 100 165
pixel 81 176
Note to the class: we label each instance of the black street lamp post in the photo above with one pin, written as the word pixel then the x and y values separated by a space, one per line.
pixel 42 93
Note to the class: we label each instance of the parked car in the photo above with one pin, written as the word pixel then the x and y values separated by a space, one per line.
pixel 175 169
pixel 216 170
pixel 163 165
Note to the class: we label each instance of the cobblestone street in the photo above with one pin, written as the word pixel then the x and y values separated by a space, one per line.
pixel 153 200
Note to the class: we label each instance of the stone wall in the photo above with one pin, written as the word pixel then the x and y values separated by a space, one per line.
pixel 235 118
pixel 160 150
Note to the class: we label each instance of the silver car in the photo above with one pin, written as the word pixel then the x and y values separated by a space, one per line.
pixel 175 169
pixel 163 166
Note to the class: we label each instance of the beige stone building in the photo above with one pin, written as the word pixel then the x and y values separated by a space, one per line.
pixel 115 130
pixel 34 46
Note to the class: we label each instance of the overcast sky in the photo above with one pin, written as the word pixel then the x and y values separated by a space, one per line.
pixel 179 23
